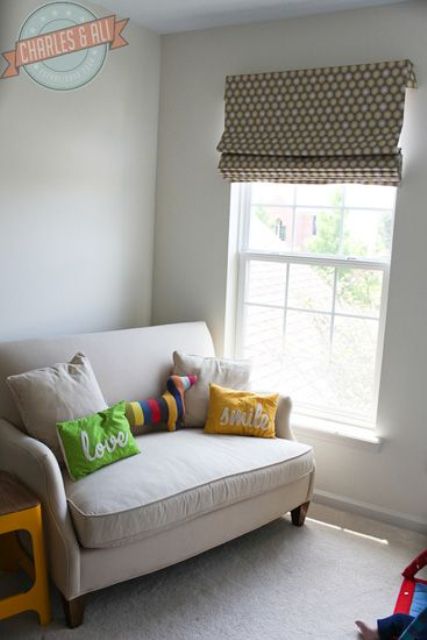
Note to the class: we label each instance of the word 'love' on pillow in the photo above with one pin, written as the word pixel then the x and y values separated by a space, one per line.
pixel 169 409
pixel 95 441
pixel 241 413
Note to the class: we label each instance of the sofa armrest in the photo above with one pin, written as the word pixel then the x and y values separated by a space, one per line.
pixel 36 466
pixel 283 427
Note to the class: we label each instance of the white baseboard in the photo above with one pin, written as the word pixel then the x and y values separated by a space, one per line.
pixel 370 511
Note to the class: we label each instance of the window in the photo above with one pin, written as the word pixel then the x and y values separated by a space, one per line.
pixel 311 294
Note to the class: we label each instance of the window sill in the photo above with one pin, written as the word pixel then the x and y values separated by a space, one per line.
pixel 335 431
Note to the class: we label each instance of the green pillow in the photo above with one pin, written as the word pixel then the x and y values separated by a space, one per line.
pixel 94 441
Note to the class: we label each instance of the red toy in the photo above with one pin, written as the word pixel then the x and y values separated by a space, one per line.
pixel 413 592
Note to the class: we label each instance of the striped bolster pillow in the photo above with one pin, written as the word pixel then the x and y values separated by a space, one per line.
pixel 169 409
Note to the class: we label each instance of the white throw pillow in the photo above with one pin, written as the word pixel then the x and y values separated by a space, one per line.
pixel 283 427
pixel 65 391
pixel 233 374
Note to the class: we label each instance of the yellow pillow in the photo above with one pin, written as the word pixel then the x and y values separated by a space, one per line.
pixel 241 413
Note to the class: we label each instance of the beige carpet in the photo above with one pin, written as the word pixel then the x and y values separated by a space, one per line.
pixel 277 583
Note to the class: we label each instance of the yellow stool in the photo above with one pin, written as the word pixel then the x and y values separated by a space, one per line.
pixel 20 509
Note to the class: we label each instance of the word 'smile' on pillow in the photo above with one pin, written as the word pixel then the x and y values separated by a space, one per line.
pixel 169 409
pixel 242 413
pixel 54 394
pixel 233 374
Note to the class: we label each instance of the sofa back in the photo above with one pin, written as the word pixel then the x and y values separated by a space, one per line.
pixel 130 364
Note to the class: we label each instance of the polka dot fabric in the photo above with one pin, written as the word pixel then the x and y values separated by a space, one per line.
pixel 335 124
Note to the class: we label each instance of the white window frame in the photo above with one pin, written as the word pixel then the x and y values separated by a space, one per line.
pixel 239 234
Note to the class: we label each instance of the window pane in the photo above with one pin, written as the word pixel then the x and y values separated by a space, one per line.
pixel 317 231
pixel 266 283
pixel 353 363
pixel 359 291
pixel 270 228
pixel 310 287
pixel 369 196
pixel 306 359
pixel 263 344
pixel 367 233
pixel 270 193
pixel 318 195
pixel 307 338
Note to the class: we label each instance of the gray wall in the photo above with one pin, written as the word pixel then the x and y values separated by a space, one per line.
pixel 77 191
pixel 193 213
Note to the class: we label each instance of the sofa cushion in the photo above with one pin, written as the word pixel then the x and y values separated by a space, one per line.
pixel 177 477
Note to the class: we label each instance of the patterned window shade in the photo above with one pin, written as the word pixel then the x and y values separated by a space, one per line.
pixel 335 124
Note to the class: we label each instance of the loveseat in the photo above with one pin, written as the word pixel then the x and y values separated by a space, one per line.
pixel 187 492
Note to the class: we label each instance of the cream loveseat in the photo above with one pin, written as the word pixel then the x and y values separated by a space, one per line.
pixel 185 493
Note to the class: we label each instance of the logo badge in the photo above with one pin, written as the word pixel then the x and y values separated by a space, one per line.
pixel 63 45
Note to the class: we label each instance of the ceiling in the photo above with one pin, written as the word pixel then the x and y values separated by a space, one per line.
pixel 169 16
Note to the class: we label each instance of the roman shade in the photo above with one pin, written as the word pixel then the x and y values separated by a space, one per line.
pixel 326 125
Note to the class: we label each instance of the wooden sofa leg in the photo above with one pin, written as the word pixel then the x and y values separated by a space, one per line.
pixel 298 514
pixel 74 611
